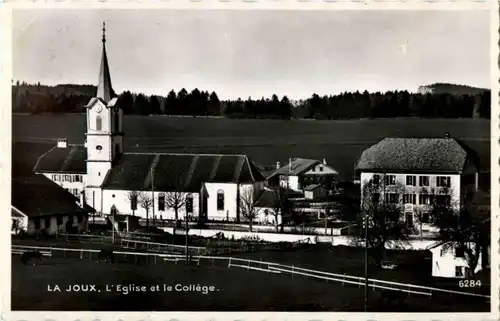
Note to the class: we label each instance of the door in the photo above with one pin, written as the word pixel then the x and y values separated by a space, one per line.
pixel 409 219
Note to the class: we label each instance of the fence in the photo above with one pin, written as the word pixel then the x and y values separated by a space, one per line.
pixel 262 266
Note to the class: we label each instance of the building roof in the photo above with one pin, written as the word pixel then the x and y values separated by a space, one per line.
pixel 443 155
pixel 178 172
pixel 69 160
pixel 104 89
pixel 25 155
pixel 312 187
pixel 298 166
pixel 39 196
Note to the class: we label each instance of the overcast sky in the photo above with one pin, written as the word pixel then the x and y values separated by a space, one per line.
pixel 254 53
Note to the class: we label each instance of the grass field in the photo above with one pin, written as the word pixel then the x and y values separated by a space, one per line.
pixel 233 289
pixel 264 141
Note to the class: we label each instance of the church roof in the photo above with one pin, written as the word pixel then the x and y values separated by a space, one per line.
pixel 178 172
pixel 38 196
pixel 69 160
pixel 104 88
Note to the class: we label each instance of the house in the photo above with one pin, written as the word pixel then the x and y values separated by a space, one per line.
pixel 40 205
pixel 267 207
pixel 64 165
pixel 415 172
pixel 302 172
pixel 315 191
pixel 450 262
pixel 149 185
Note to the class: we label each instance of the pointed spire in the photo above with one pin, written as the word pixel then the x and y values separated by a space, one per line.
pixel 104 89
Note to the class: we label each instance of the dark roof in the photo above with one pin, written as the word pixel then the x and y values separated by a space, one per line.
pixel 298 166
pixel 25 155
pixel 311 187
pixel 39 196
pixel 445 155
pixel 63 160
pixel 266 199
pixel 185 172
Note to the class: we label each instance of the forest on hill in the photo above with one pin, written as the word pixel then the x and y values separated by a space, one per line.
pixel 433 101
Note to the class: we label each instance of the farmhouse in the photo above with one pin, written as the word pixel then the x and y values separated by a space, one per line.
pixel 301 173
pixel 415 172
pixel 39 205
pixel 450 261
pixel 150 185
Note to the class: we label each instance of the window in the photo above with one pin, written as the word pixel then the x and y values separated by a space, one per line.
pixel 113 210
pixel 390 180
pixel 321 168
pixel 411 180
pixel 133 203
pixel 443 181
pixel 376 179
pixel 161 202
pixel 459 271
pixel 423 181
pixel 392 198
pixel 220 200
pixel 98 147
pixel 59 220
pixel 459 252
pixel 53 177
pixel 410 199
pixel 77 178
pixel 424 199
pixel 98 123
pixel 189 204
pixel 47 222
pixel 443 200
pixel 37 223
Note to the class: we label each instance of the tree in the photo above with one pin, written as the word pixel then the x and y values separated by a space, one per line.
pixel 171 103
pixel 383 218
pixel 146 203
pixel 126 102
pixel 176 200
pixel 133 197
pixel 154 105
pixel 281 206
pixel 247 206
pixel 465 230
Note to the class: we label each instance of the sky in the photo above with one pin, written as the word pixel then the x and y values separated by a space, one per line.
pixel 254 54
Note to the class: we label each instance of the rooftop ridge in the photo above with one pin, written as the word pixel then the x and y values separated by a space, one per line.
pixel 191 170
pixel 239 168
pixel 214 169
pixel 183 154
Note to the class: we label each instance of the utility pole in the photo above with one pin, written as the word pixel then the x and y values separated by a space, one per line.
pixel 187 232
pixel 153 194
pixel 366 261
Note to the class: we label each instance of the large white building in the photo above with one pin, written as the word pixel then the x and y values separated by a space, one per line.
pixel 209 187
pixel 414 172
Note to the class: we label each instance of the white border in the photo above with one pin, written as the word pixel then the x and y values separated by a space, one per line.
pixel 5 152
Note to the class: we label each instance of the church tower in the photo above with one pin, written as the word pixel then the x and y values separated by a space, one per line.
pixel 104 131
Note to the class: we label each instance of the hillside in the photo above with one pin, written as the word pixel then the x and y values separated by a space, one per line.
pixel 453 89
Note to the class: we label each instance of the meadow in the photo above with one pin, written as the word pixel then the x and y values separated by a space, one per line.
pixel 264 141
pixel 234 289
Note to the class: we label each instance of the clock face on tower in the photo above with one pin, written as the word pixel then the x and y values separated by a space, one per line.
pixel 99 109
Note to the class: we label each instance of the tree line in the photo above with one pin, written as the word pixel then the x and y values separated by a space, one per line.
pixel 72 98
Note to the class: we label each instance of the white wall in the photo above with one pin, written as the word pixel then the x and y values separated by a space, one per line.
pixel 321 169
pixel 231 200
pixel 454 191
pixel 68 185
pixel 445 262
pixel 96 172
pixel 120 199
pixel 53 228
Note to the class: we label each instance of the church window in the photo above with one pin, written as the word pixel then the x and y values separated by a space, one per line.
pixel 220 200
pixel 98 147
pixel 161 202
pixel 189 204
pixel 98 123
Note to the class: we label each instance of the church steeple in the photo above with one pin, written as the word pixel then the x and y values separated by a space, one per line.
pixel 104 88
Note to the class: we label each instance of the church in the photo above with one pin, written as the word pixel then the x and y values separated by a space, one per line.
pixel 154 185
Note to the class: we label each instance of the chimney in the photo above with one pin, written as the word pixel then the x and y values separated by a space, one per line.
pixel 447 135
pixel 278 165
pixel 324 161
pixel 62 143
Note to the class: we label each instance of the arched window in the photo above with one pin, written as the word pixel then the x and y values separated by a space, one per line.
pixel 189 204
pixel 220 200
pixel 98 123
pixel 161 202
